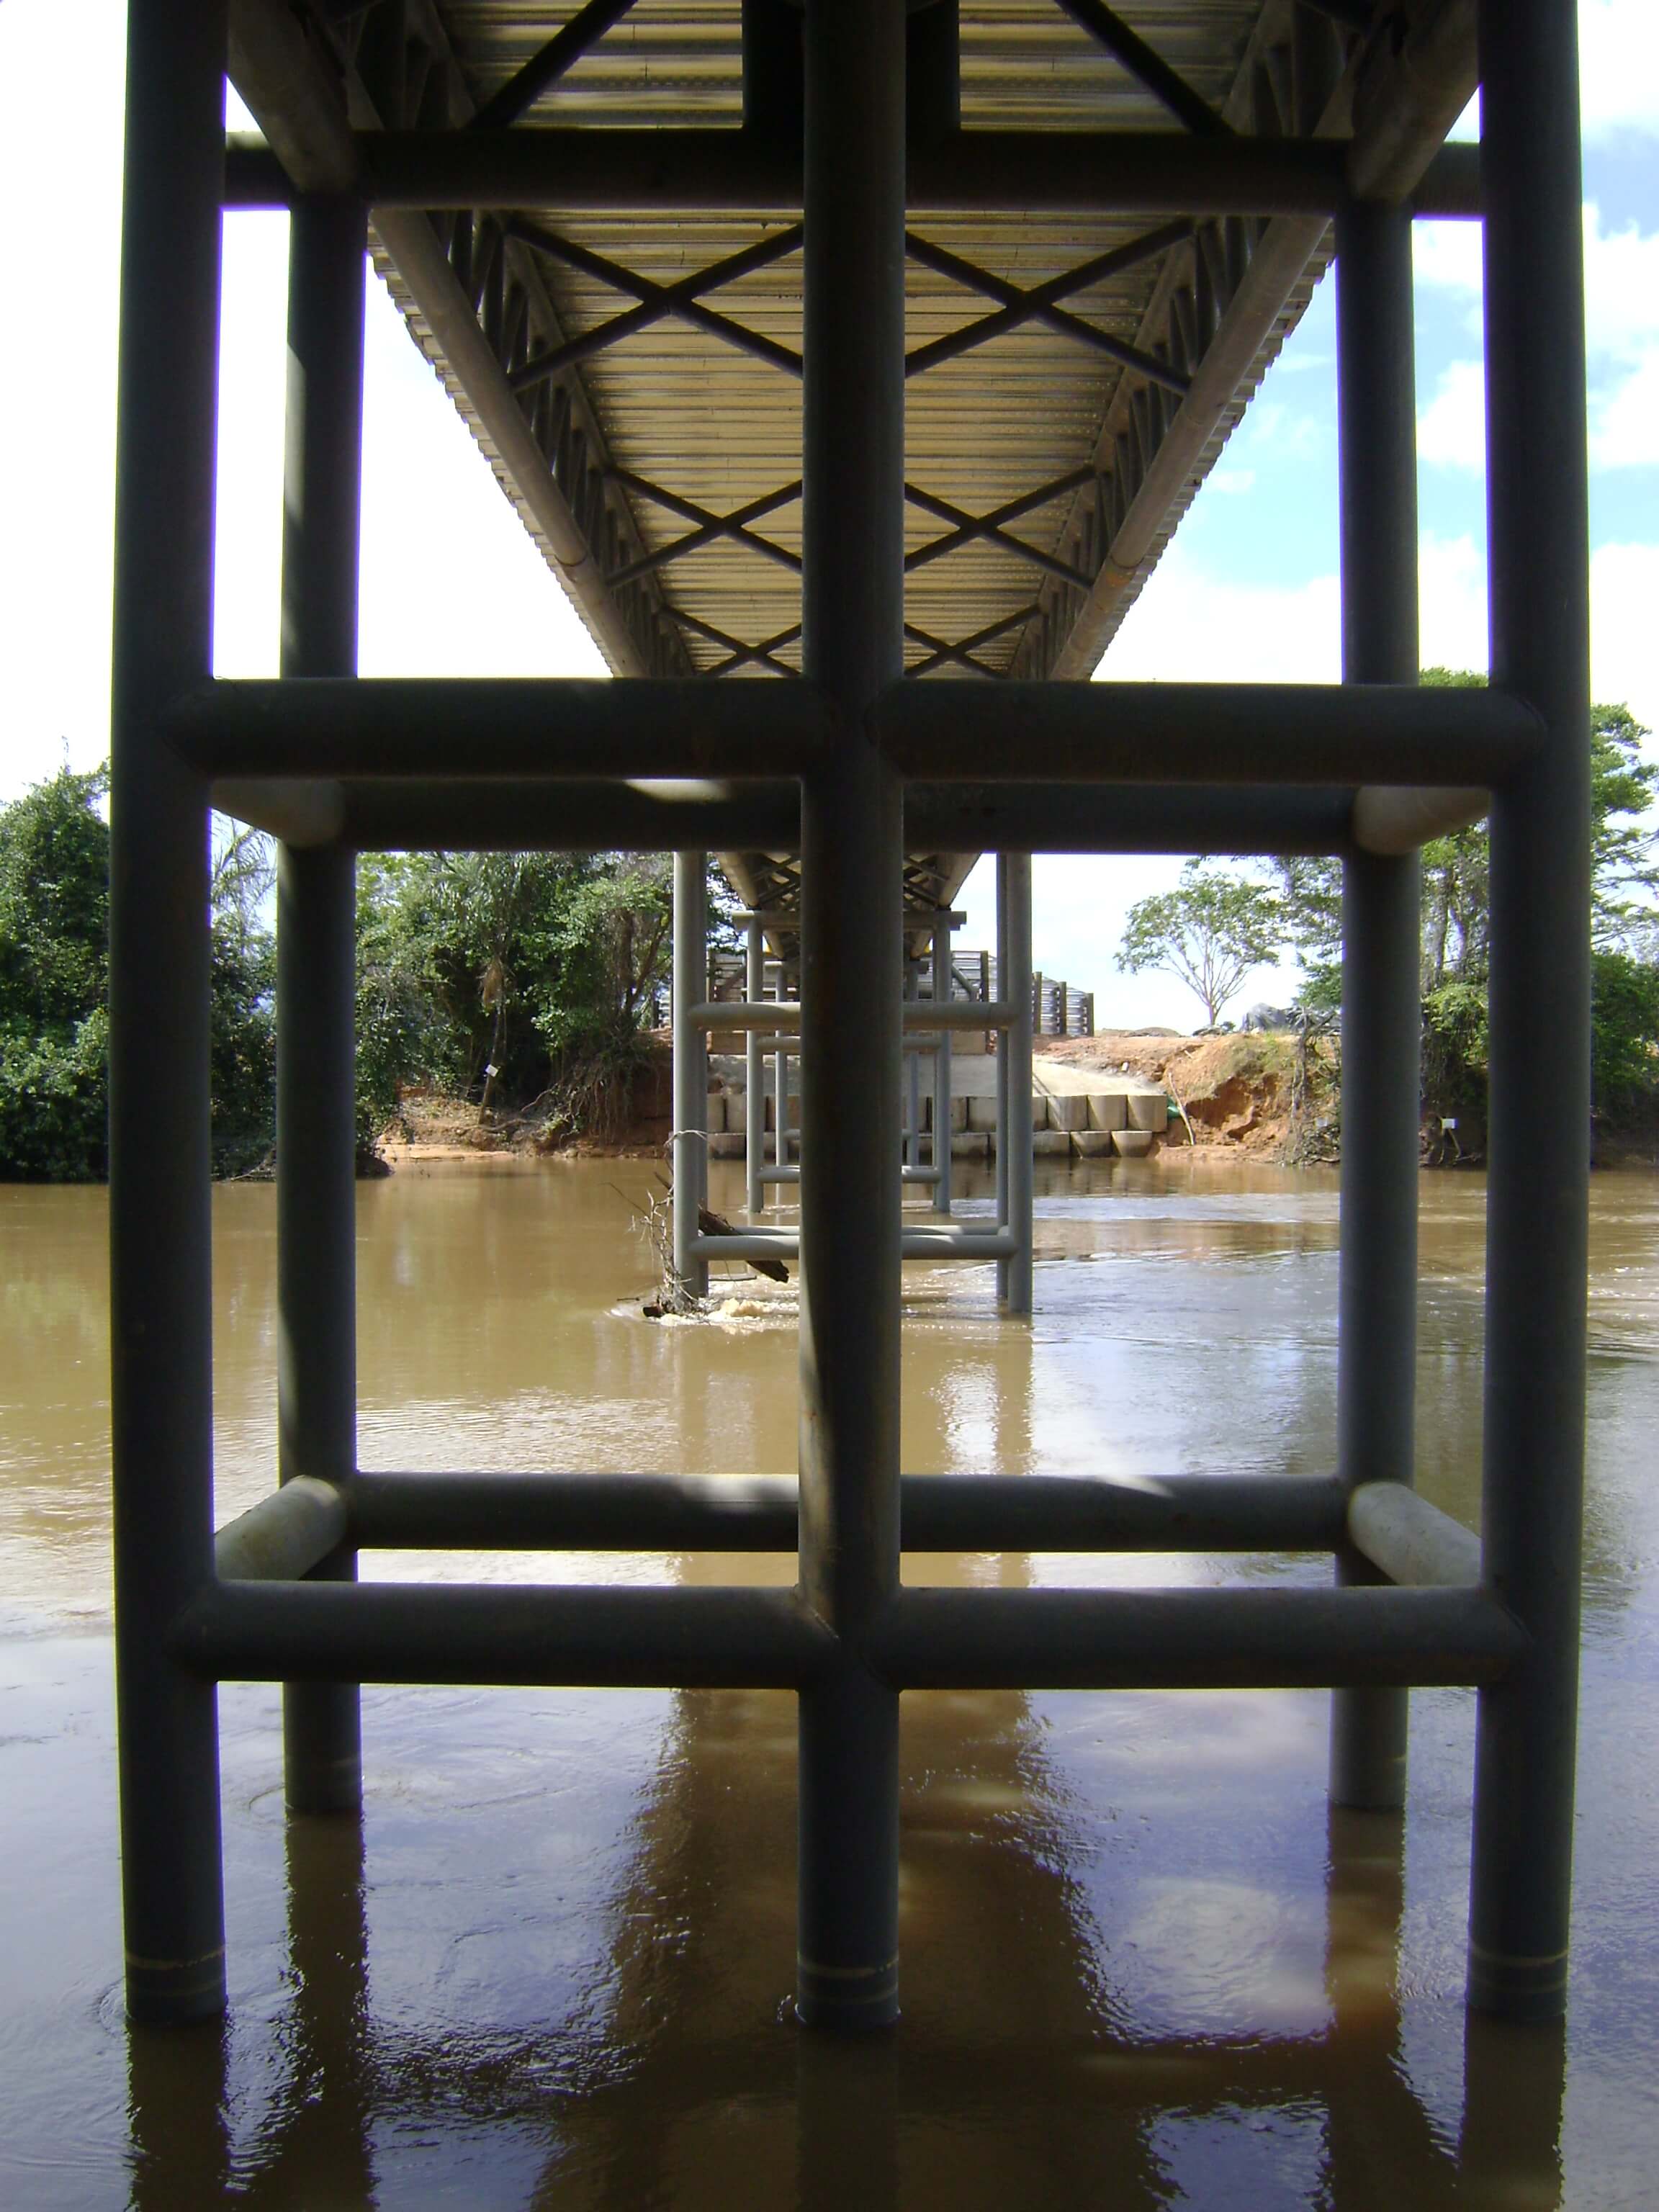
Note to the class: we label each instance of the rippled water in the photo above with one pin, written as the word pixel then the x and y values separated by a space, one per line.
pixel 1143 1966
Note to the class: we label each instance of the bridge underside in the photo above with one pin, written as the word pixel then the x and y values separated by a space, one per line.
pixel 867 347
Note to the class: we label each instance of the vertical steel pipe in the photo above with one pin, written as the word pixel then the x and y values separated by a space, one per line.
pixel 754 1105
pixel 162 1315
pixel 688 1142
pixel 1001 1069
pixel 780 1106
pixel 942 1126
pixel 851 950
pixel 1381 1012
pixel 316 960
pixel 1539 1127
pixel 1016 1135
pixel 911 1073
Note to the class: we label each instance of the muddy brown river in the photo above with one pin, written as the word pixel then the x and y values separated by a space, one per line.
pixel 1143 1965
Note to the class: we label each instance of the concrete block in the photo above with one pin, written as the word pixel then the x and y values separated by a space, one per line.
pixel 1067 1110
pixel 1050 1144
pixel 1107 1110
pixel 1149 1110
pixel 1131 1144
pixel 715 1123
pixel 970 1144
pixel 1089 1144
pixel 726 1145
pixel 982 1112
pixel 958 1113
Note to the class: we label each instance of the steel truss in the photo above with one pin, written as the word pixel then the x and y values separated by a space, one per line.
pixel 857 759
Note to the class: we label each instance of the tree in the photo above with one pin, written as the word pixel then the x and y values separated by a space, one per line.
pixel 1209 931
pixel 504 975
pixel 54 970
pixel 54 1029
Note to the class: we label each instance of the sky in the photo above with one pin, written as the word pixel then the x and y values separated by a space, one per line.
pixel 452 585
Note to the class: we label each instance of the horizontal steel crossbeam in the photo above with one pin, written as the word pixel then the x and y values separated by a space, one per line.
pixel 671 171
pixel 759 1513
pixel 748 1638
pixel 1249 734
pixel 469 728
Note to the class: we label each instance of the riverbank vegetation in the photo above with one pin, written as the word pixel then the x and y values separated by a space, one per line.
pixel 515 983
pixel 1297 911
pixel 521 989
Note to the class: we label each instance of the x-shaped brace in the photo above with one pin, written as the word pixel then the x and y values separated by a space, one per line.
pixel 658 303
pixel 1039 305
pixel 739 654
pixel 709 526
pixel 969 529
pixel 961 655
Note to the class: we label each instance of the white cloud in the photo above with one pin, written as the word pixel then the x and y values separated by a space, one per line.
pixel 1625 420
pixel 1624 639
pixel 1619 67
pixel 1451 602
pixel 1446 256
pixel 1189 626
pixel 1451 430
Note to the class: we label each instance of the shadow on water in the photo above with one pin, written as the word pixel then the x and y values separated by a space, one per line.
pixel 1019 2076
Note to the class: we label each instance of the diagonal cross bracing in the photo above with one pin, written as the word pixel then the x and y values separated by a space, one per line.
pixel 682 299
pixel 1040 306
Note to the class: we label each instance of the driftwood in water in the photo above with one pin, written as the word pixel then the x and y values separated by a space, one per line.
pixel 716 1225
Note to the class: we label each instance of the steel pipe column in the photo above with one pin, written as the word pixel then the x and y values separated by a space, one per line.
pixel 316 961
pixel 754 1144
pixel 942 972
pixel 160 1333
pixel 1014 1046
pixel 1539 987
pixel 851 953
pixel 689 1144
pixel 1382 1014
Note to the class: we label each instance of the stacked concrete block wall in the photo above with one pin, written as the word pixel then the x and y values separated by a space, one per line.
pixel 1093 1115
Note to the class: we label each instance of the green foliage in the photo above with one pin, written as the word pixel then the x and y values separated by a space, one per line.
pixel 1209 931
pixel 1457 909
pixel 54 1103
pixel 54 1029
pixel 1455 1052
pixel 54 903
pixel 1624 1033
pixel 540 967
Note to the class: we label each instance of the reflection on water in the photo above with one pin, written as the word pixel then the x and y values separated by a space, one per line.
pixel 1144 1966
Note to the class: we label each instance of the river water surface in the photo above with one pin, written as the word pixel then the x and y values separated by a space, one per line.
pixel 1143 1965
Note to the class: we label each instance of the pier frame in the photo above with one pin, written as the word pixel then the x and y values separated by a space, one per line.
pixel 325 758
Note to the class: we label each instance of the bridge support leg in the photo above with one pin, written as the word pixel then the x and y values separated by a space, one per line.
pixel 1382 1017
pixel 316 961
pixel 1014 1173
pixel 689 1144
pixel 851 980
pixel 1536 1208
pixel 754 1104
pixel 941 1151
pixel 160 1274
